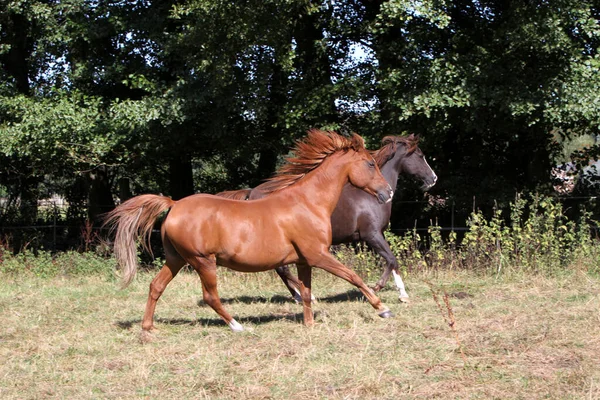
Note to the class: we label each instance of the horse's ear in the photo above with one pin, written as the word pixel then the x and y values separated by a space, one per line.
pixel 358 143
pixel 414 138
pixel 387 140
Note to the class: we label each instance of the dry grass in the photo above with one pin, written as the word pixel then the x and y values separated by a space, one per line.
pixel 526 338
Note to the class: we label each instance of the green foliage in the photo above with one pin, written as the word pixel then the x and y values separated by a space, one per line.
pixel 216 92
pixel 487 83
pixel 535 238
pixel 359 258
pixel 44 264
pixel 539 238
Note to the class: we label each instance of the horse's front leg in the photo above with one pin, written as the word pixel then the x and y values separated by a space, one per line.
pixel 326 261
pixel 290 281
pixel 305 276
pixel 378 243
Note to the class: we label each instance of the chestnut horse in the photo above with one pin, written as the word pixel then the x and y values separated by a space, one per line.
pixel 357 216
pixel 291 225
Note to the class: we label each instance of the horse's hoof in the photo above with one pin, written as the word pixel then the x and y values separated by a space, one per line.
pixel 146 336
pixel 404 299
pixel 236 326
pixel 386 314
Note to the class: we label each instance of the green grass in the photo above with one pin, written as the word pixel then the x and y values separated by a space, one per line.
pixel 521 337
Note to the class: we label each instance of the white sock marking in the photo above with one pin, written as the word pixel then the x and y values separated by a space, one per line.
pixel 235 326
pixel 399 284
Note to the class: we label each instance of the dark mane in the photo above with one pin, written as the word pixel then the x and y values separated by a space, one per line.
pixel 309 153
pixel 389 144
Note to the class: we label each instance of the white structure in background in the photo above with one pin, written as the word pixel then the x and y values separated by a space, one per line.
pixel 567 177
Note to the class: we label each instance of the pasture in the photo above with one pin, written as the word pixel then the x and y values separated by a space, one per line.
pixel 522 336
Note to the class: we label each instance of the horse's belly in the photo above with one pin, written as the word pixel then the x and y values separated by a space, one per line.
pixel 255 262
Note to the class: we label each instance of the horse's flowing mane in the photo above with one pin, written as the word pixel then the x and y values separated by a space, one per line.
pixel 309 153
pixel 389 144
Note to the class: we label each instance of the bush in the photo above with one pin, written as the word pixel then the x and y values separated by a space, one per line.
pixel 534 237
pixel 46 265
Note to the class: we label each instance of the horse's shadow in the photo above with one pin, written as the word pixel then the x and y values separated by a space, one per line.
pixel 277 299
pixel 255 320
pixel 350 295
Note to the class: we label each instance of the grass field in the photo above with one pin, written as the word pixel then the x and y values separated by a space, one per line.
pixel 523 337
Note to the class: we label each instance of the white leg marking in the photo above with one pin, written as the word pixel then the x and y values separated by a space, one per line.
pixel 235 326
pixel 400 285
pixel 298 297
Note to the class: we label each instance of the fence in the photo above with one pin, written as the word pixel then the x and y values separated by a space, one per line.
pixel 63 226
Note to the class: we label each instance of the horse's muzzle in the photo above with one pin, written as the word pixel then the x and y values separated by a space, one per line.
pixel 429 183
pixel 385 195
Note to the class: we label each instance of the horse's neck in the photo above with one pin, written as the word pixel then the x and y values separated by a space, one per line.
pixel 391 171
pixel 323 185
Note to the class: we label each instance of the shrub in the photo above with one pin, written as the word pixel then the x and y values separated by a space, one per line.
pixel 44 264
pixel 535 237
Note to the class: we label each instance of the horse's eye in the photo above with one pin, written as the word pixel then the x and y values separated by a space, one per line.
pixel 371 164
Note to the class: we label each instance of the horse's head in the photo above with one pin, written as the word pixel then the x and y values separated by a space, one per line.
pixel 408 158
pixel 365 174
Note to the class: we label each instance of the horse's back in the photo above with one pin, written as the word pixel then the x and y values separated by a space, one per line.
pixel 240 234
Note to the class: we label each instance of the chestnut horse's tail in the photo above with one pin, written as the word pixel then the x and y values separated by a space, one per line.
pixel 242 194
pixel 132 219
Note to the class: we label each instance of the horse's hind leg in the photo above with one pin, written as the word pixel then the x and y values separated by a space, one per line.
pixel 378 243
pixel 206 267
pixel 172 266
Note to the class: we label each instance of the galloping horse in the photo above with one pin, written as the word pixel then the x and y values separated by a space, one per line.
pixel 291 225
pixel 359 217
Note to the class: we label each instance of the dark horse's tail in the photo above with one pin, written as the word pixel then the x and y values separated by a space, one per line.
pixel 132 219
pixel 242 194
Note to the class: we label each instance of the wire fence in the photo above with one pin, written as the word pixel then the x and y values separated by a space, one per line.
pixel 62 226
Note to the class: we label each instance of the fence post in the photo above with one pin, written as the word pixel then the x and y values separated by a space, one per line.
pixel 54 229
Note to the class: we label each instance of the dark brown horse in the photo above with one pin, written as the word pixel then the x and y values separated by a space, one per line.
pixel 359 217
pixel 291 225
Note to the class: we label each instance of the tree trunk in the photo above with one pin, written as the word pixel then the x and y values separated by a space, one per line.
pixel 28 195
pixel 100 198
pixel 181 179
pixel 124 189
pixel 314 62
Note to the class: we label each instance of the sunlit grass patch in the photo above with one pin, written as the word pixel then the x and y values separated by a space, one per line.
pixel 79 337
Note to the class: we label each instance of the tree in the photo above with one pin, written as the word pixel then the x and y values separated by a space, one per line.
pixel 486 83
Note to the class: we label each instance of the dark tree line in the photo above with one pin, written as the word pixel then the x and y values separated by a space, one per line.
pixel 102 100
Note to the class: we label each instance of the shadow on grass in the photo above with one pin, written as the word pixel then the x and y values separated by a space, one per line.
pixel 256 320
pixel 277 299
pixel 350 295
